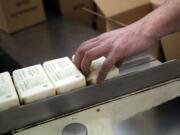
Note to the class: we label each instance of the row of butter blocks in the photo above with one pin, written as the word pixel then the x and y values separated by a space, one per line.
pixel 38 82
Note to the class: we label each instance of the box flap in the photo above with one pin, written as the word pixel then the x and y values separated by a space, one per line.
pixel 158 2
pixel 113 7
pixel 171 46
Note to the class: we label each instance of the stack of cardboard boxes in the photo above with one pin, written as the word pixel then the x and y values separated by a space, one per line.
pixel 19 14
pixel 122 11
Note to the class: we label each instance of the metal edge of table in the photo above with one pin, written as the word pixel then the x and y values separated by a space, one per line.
pixel 60 105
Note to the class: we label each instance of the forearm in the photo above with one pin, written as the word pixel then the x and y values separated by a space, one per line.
pixel 135 38
pixel 162 21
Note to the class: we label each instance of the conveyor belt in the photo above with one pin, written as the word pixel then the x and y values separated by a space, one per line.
pixel 84 98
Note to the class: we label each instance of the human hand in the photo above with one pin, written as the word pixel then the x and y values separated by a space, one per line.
pixel 115 46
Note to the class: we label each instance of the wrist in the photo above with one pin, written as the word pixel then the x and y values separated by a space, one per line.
pixel 142 29
pixel 148 29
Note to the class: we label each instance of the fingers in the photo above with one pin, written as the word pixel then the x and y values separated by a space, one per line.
pixel 91 55
pixel 81 52
pixel 106 67
pixel 115 57
pixel 84 47
pixel 89 41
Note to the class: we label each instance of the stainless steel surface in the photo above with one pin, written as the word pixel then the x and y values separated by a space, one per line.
pixel 162 120
pixel 138 67
pixel 75 129
pixel 50 40
pixel 59 38
pixel 71 102
pixel 103 119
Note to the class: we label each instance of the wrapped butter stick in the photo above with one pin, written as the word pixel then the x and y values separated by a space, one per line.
pixel 8 95
pixel 32 84
pixel 64 75
pixel 96 67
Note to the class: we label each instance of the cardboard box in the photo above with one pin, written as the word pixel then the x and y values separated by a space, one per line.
pixel 171 46
pixel 126 12
pixel 71 9
pixel 156 51
pixel 131 12
pixel 157 3
pixel 19 14
pixel 171 43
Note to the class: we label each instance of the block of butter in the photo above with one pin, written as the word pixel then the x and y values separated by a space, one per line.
pixel 96 67
pixel 8 95
pixel 64 75
pixel 32 84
